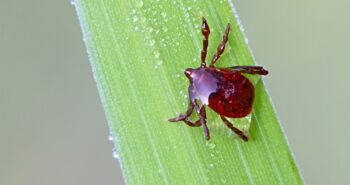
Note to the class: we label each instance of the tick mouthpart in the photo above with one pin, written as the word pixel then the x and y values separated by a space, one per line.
pixel 188 72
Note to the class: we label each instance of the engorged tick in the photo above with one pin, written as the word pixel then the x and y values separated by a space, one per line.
pixel 225 90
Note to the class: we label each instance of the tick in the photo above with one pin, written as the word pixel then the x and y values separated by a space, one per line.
pixel 225 90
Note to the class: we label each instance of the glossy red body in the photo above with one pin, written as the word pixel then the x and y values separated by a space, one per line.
pixel 227 92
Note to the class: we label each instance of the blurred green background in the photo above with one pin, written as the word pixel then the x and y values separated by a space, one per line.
pixel 52 126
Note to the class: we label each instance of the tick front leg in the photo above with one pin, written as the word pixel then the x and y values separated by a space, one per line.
pixel 234 129
pixel 205 32
pixel 203 119
pixel 183 117
pixel 251 69
pixel 221 46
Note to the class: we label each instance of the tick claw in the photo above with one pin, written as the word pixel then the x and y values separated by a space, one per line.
pixel 264 72
pixel 172 119
pixel 244 138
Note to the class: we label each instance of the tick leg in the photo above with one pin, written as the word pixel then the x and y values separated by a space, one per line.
pixel 203 119
pixel 251 69
pixel 183 117
pixel 234 129
pixel 192 124
pixel 221 46
pixel 205 32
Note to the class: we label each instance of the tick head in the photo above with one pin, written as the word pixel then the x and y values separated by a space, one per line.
pixel 189 73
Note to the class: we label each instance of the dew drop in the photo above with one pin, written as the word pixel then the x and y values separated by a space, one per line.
pixel 159 63
pixel 139 3
pixel 115 153
pixel 211 145
pixel 223 181
pixel 165 29
pixel 152 42
pixel 110 136
pixel 151 30
pixel 134 18
pixel 163 14
pixel 241 27
pixel 156 54
pixel 246 40
pixel 72 2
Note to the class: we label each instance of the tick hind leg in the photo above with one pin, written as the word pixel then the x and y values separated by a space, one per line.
pixel 221 46
pixel 251 69
pixel 234 129
pixel 205 32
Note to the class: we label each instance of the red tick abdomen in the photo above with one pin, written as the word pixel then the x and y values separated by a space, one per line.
pixel 233 97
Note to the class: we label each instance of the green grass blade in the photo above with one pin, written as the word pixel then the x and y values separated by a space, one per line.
pixel 138 50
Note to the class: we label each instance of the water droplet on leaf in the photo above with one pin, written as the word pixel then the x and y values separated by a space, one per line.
pixel 115 153
pixel 163 14
pixel 110 136
pixel 211 145
pixel 139 3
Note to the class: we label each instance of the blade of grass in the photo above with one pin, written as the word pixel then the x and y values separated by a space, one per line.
pixel 138 50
